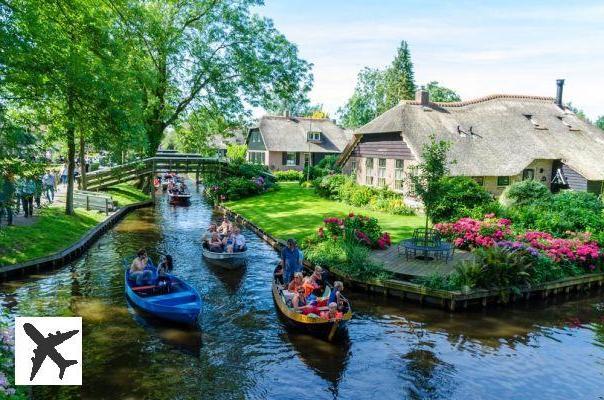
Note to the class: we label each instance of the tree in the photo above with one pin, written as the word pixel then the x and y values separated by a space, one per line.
pixel 441 94
pixel 427 175
pixel 209 54
pixel 202 128
pixel 600 122
pixel 236 152
pixel 399 77
pixel 577 111
pixel 367 100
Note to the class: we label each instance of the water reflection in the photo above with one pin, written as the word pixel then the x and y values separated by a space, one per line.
pixel 392 349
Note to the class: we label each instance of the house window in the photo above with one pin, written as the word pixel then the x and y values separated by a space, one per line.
pixel 503 180
pixel 290 159
pixel 307 159
pixel 369 171
pixel 353 166
pixel 256 157
pixel 479 180
pixel 381 172
pixel 314 136
pixel 528 175
pixel 255 137
pixel 398 174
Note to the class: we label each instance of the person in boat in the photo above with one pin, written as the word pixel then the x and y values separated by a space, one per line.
pixel 297 282
pixel 226 227
pixel 332 312
pixel 138 269
pixel 166 265
pixel 291 261
pixel 299 302
pixel 336 295
pixel 207 235
pixel 239 244
pixel 228 242
pixel 215 243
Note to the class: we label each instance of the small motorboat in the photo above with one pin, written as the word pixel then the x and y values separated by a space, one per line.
pixel 312 324
pixel 170 298
pixel 225 260
pixel 179 197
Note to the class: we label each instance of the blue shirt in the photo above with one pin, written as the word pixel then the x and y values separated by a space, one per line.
pixel 291 258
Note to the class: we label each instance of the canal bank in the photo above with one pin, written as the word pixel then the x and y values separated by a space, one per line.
pixel 452 300
pixel 243 351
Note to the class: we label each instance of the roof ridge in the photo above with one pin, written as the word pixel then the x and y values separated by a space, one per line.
pixel 295 117
pixel 482 100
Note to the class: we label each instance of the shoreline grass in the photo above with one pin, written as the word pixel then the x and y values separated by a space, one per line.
pixel 294 211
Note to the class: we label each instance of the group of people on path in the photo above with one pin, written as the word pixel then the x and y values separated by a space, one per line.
pixel 225 237
pixel 21 193
pixel 306 294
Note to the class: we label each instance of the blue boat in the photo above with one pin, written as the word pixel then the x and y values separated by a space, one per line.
pixel 169 298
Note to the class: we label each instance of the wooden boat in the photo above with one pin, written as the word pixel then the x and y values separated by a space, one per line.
pixel 179 198
pixel 311 324
pixel 224 260
pixel 176 301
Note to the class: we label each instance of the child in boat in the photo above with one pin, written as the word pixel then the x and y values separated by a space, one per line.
pixel 332 313
pixel 239 244
pixel 229 242
pixel 336 295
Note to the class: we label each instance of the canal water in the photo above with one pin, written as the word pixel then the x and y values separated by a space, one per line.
pixel 392 350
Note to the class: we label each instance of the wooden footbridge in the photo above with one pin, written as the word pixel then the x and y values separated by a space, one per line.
pixel 146 169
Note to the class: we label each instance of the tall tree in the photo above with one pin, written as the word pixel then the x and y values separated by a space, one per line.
pixel 367 100
pixel 441 94
pixel 209 54
pixel 400 83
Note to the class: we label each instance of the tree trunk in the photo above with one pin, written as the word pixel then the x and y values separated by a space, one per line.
pixel 82 162
pixel 70 155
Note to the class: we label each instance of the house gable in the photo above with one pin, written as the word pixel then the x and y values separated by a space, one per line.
pixel 385 145
pixel 255 141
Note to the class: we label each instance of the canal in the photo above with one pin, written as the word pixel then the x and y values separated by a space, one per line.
pixel 392 350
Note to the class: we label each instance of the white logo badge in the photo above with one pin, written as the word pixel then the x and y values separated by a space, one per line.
pixel 48 350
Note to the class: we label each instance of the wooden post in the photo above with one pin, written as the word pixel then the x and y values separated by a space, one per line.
pixel 87 203
pixel 106 206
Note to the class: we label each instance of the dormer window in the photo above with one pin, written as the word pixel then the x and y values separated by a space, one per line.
pixel 314 136
pixel 534 122
pixel 570 127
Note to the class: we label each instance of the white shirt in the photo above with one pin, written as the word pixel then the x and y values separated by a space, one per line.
pixel 240 240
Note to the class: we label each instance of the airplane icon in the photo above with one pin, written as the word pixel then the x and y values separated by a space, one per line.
pixel 46 348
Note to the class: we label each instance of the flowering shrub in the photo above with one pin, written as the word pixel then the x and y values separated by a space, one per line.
pixel 7 343
pixel 364 230
pixel 579 249
pixel 468 233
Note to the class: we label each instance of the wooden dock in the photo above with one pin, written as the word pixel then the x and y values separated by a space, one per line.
pixel 452 300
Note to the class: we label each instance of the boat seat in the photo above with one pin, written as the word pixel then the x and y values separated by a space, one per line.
pixel 139 288
pixel 169 296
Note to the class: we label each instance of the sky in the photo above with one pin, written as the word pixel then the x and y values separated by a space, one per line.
pixel 476 48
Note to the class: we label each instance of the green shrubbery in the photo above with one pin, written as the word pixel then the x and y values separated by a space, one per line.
pixel 525 193
pixel 325 167
pixel 343 188
pixel 247 180
pixel 460 197
pixel 288 176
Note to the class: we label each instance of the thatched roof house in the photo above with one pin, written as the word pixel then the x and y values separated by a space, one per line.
pixel 497 139
pixel 283 142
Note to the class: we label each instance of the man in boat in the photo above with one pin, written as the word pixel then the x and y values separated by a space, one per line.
pixel 226 227
pixel 215 243
pixel 207 235
pixel 291 261
pixel 138 268
pixel 239 244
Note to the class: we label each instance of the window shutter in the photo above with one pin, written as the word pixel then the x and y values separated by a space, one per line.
pixel 297 158
pixel 283 158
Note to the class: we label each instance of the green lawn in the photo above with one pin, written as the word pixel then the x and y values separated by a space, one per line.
pixel 293 211
pixel 52 231
pixel 125 194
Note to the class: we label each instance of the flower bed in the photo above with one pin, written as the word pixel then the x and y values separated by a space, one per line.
pixel 365 230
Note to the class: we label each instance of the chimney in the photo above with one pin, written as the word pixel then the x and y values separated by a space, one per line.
pixel 422 96
pixel 560 83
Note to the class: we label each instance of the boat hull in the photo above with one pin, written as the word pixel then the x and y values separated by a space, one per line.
pixel 179 199
pixel 225 260
pixel 182 307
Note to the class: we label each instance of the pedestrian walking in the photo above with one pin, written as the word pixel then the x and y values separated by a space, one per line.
pixel 7 194
pixel 49 183
pixel 38 189
pixel 64 175
pixel 26 188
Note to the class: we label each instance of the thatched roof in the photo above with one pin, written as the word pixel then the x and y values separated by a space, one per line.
pixel 290 134
pixel 498 135
pixel 218 141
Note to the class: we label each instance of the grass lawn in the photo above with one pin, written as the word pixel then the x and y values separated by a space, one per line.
pixel 52 231
pixel 293 211
pixel 125 194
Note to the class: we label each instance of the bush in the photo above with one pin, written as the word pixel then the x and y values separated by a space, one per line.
pixel 289 175
pixel 236 152
pixel 524 193
pixel 458 197
pixel 329 163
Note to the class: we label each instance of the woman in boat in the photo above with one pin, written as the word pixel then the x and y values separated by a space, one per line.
pixel 296 283
pixel 207 235
pixel 215 243
pixel 166 265
pixel 138 269
pixel 332 312
pixel 299 302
